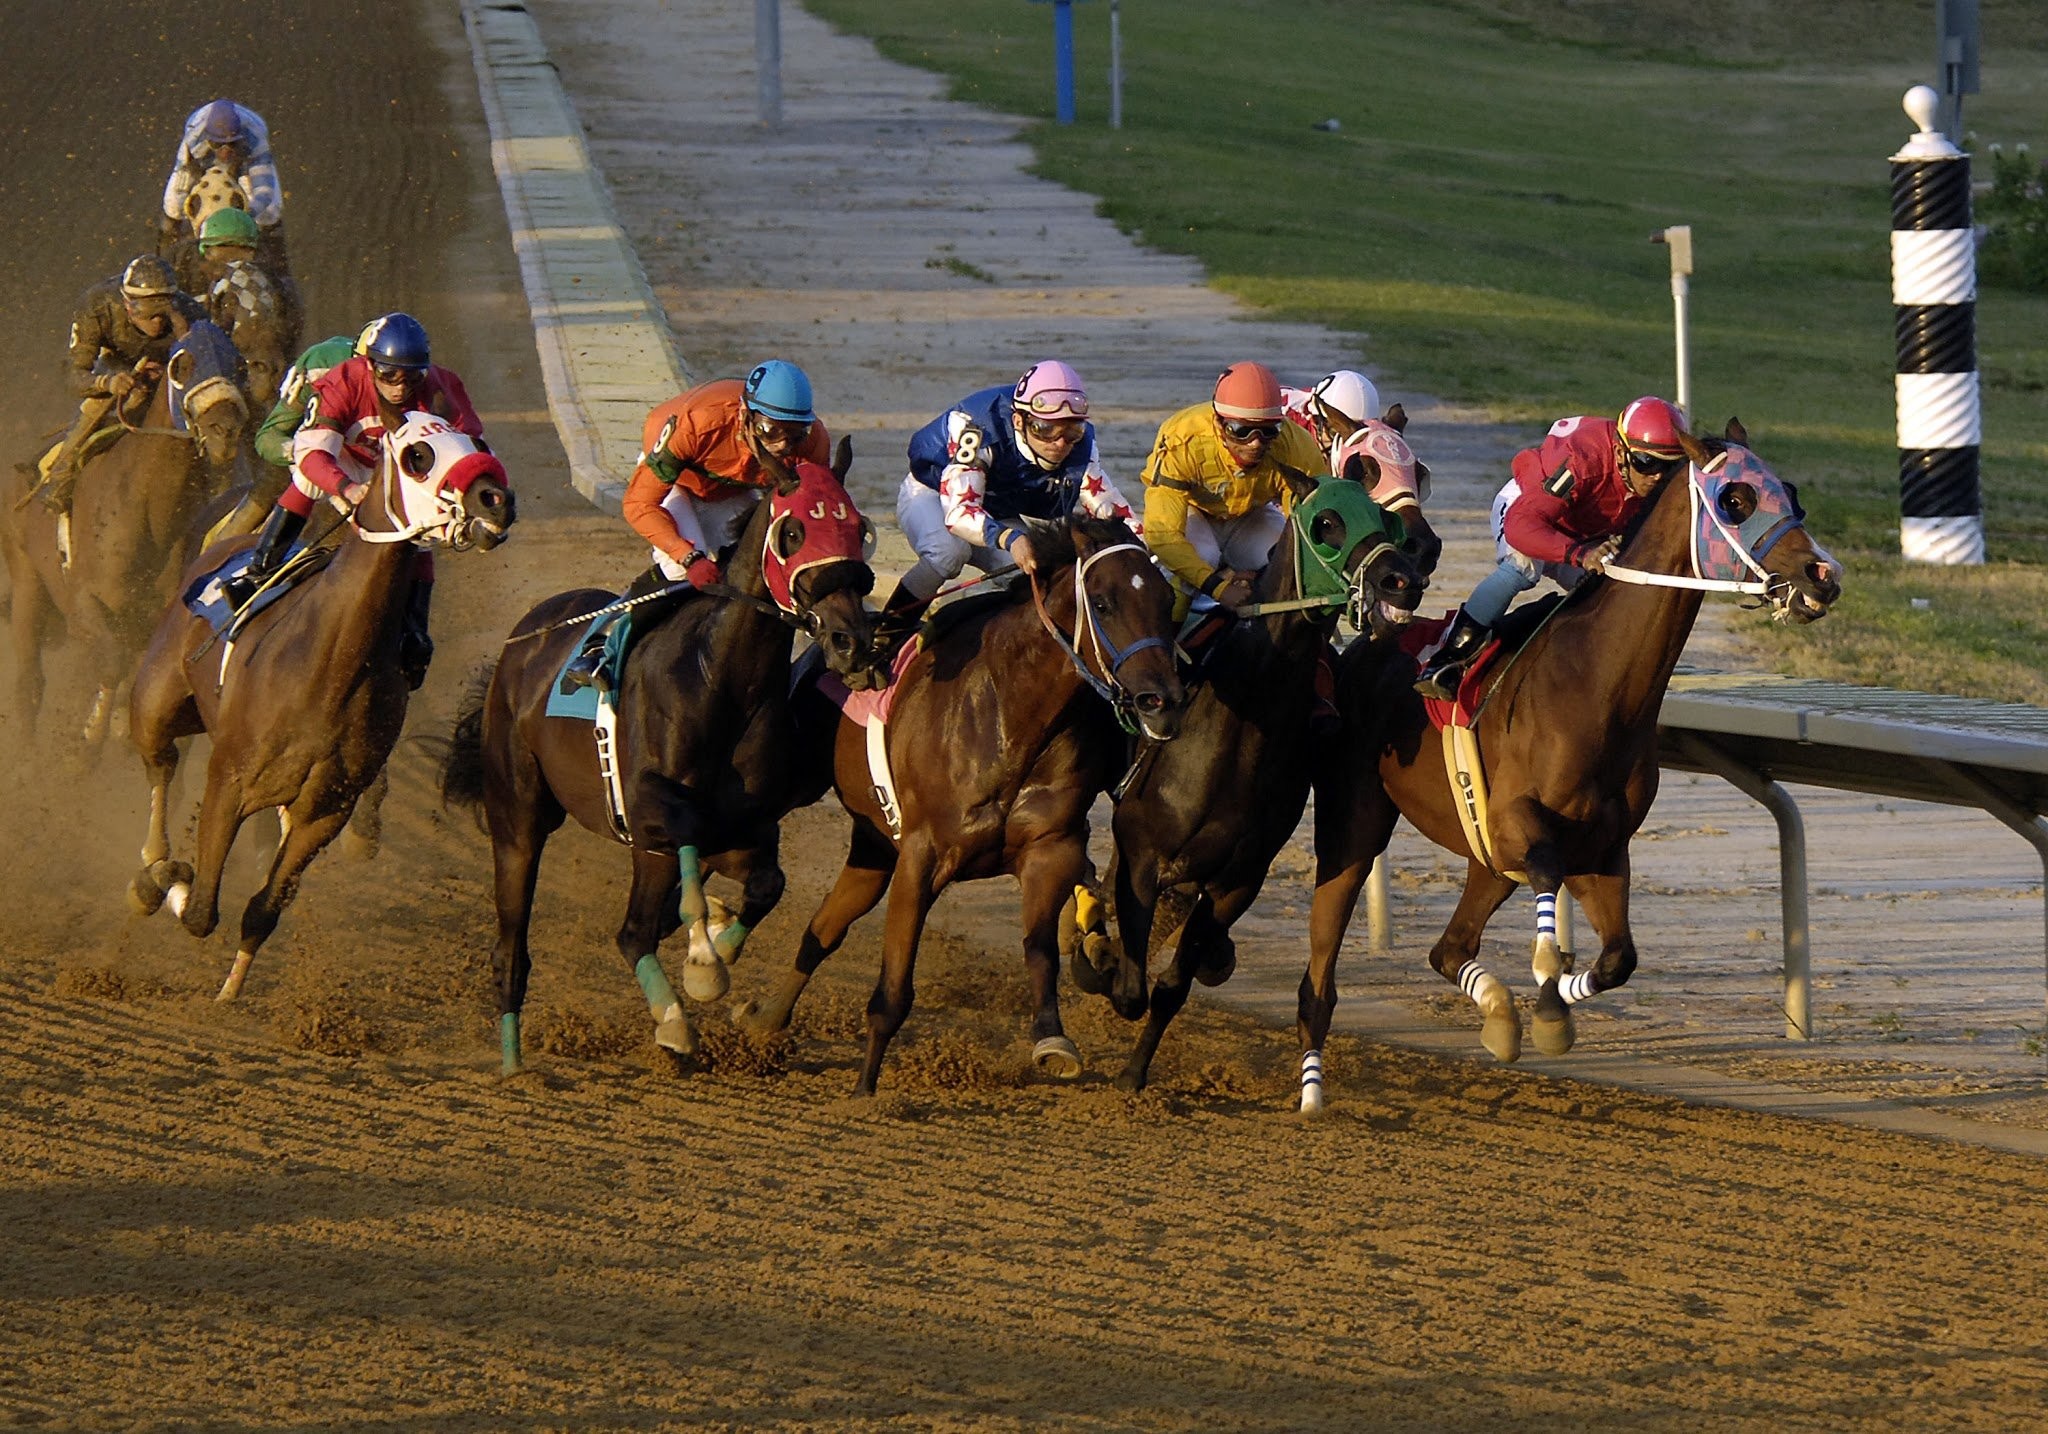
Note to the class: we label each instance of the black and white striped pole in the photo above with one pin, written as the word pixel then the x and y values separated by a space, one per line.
pixel 1934 302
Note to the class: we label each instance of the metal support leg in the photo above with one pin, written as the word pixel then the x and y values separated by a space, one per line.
pixel 1791 871
pixel 2030 826
pixel 1566 937
pixel 1379 891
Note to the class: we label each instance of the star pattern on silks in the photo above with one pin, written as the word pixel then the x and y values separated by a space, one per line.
pixel 970 506
pixel 1093 487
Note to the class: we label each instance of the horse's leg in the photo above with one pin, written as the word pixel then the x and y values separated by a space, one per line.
pixel 1605 899
pixel 365 833
pixel 656 875
pixel 1049 872
pixel 1348 841
pixel 704 975
pixel 27 623
pixel 1169 994
pixel 161 712
pixel 1551 1025
pixel 1455 958
pixel 220 817
pixel 520 827
pixel 1136 893
pixel 758 870
pixel 308 826
pixel 910 902
pixel 870 861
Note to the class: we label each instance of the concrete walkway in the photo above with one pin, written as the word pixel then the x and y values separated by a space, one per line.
pixel 892 243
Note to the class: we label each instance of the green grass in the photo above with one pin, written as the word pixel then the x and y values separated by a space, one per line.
pixel 1481 219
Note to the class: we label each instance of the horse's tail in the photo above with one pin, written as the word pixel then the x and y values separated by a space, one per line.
pixel 462 766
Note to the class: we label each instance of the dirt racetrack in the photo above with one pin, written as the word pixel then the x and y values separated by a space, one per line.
pixel 322 1208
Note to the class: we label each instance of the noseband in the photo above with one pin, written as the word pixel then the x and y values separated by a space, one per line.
pixel 1108 656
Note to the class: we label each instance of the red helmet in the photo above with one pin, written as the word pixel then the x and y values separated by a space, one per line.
pixel 1248 391
pixel 1653 427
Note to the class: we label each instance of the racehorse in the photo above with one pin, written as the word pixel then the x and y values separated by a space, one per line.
pixel 1567 737
pixel 305 700
pixel 1399 482
pixel 127 527
pixel 702 743
pixel 1200 823
pixel 997 741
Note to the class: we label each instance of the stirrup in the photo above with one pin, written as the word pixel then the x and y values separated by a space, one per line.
pixel 1441 681
pixel 585 669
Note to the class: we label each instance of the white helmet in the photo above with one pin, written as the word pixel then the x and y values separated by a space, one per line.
pixel 1348 394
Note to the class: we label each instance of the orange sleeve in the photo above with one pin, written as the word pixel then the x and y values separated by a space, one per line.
pixel 643 510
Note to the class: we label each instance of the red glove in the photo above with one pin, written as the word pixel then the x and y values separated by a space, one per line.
pixel 700 569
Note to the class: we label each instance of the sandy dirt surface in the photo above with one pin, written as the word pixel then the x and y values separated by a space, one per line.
pixel 322 1208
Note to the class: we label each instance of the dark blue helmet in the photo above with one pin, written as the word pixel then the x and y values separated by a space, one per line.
pixel 223 123
pixel 394 341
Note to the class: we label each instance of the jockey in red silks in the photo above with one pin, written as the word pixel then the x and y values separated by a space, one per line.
pixel 1561 516
pixel 336 451
pixel 711 454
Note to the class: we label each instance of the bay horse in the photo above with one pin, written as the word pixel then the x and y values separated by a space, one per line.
pixel 128 524
pixel 998 740
pixel 304 704
pixel 1567 733
pixel 1200 823
pixel 702 741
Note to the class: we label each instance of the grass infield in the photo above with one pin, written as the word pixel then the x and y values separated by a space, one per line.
pixel 1480 220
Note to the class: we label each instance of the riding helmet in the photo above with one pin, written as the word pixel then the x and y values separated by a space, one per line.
pixel 1348 396
pixel 147 277
pixel 228 226
pixel 1248 392
pixel 1050 390
pixel 1653 427
pixel 778 389
pixel 396 340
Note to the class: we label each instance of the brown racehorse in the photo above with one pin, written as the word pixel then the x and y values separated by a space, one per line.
pixel 304 705
pixel 1568 736
pixel 702 741
pixel 129 516
pixel 1201 821
pixel 998 742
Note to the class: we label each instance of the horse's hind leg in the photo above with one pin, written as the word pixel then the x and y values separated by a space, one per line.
pixel 365 832
pixel 656 876
pixel 307 829
pixel 1347 843
pixel 870 861
pixel 520 827
pixel 758 870
pixel 1048 872
pixel 1605 899
pixel 1455 958
pixel 910 902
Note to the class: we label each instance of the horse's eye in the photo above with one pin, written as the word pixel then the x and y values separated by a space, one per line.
pixel 791 537
pixel 417 460
pixel 1736 502
pixel 1100 604
pixel 1328 530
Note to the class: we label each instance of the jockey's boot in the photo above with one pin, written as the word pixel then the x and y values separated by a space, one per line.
pixel 1441 677
pixel 1323 717
pixel 280 530
pixel 415 643
pixel 897 620
pixel 586 668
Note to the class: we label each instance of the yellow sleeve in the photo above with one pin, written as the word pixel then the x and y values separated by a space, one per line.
pixel 1166 529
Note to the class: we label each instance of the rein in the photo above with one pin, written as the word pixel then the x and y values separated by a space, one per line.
pixel 1108 655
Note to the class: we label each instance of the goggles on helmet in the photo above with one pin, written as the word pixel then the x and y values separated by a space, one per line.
pixel 1238 430
pixel 780 433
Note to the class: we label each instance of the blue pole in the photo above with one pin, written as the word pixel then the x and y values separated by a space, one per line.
pixel 1063 56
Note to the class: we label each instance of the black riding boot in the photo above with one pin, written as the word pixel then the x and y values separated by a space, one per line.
pixel 1440 679
pixel 280 530
pixel 415 643
pixel 586 667
pixel 897 620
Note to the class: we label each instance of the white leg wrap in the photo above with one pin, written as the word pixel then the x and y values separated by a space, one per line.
pixel 1576 986
pixel 1487 991
pixel 1311 1082
pixel 1546 915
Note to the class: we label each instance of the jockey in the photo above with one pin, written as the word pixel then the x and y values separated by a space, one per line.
pixel 1213 484
pixel 235 138
pixel 1341 411
pixel 234 286
pixel 709 452
pixel 335 454
pixel 274 438
pixel 120 340
pixel 1561 517
pixel 1022 450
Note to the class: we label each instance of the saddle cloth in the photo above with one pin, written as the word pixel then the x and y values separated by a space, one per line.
pixel 205 598
pixel 580 703
pixel 1419 641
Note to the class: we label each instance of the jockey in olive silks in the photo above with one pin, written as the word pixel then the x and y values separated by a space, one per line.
pixel 337 448
pixel 1561 516
pixel 120 340
pixel 1022 450
pixel 709 455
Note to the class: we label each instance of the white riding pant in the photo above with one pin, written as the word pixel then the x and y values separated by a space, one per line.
pixel 941 552
pixel 1244 543
pixel 1517 572
pixel 710 523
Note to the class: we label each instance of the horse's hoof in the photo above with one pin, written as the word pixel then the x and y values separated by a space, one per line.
pixel 1502 1037
pixel 145 897
pixel 1546 962
pixel 175 897
pixel 1552 1027
pixel 1216 970
pixel 1057 1058
pixel 1130 1082
pixel 357 847
pixel 705 980
pixel 1090 975
pixel 677 1034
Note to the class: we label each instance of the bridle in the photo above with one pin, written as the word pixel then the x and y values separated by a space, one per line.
pixel 1108 656
pixel 1773 587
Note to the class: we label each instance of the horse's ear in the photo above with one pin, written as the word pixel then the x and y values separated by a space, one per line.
pixel 1362 469
pixel 842 457
pixel 1298 483
pixel 1735 432
pixel 1396 418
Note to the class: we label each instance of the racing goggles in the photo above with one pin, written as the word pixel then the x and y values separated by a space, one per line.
pixel 1239 431
pixel 392 373
pixel 1056 430
pixel 1646 462
pixel 781 434
pixel 147 306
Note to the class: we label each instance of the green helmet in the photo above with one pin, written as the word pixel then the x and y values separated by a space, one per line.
pixel 228 226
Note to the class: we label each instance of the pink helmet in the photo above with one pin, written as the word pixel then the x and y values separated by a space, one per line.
pixel 1249 392
pixel 1050 390
pixel 1652 427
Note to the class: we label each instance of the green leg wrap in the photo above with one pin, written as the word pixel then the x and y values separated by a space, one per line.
pixel 508 1041
pixel 727 942
pixel 654 985
pixel 693 907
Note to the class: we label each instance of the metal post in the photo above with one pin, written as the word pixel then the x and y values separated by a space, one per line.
pixel 1567 935
pixel 1955 59
pixel 1679 238
pixel 1934 312
pixel 768 59
pixel 1063 58
pixel 2002 806
pixel 1116 69
pixel 1379 917
pixel 1791 872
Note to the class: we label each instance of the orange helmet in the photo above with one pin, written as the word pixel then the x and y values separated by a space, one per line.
pixel 1249 392
pixel 1652 427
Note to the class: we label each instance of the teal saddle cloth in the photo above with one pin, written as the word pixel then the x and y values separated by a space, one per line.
pixel 567 700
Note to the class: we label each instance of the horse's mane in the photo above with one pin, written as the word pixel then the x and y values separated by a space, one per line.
pixel 1058 544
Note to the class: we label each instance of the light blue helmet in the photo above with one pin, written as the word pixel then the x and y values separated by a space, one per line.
pixel 778 389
